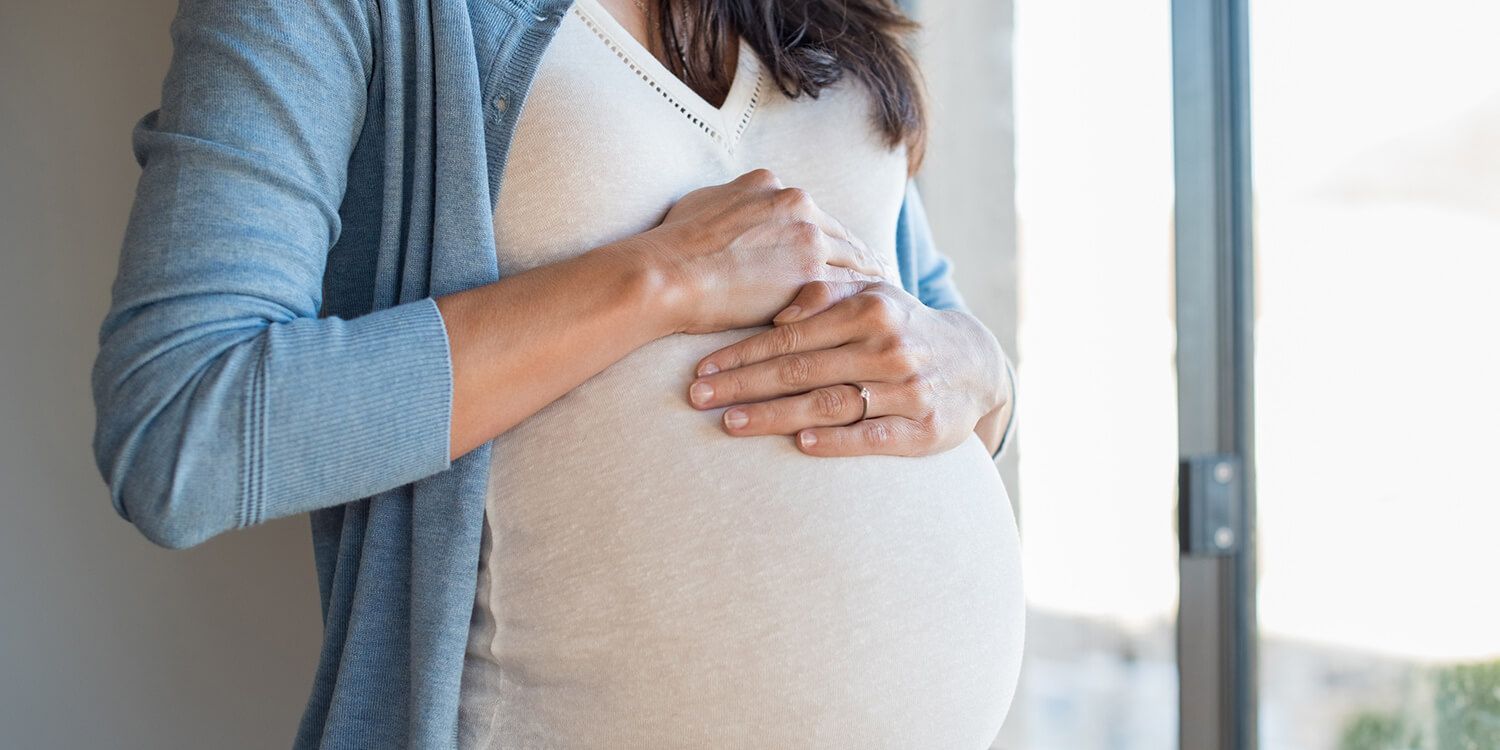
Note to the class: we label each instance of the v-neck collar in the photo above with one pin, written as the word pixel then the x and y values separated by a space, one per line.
pixel 724 123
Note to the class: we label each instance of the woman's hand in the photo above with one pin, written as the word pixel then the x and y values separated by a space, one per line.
pixel 932 374
pixel 736 253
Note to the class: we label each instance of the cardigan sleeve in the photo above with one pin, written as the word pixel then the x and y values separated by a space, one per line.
pixel 222 398
pixel 932 277
pixel 933 271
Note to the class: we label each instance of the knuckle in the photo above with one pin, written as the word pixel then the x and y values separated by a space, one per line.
pixel 884 311
pixel 785 339
pixel 869 307
pixel 794 199
pixel 805 233
pixel 761 177
pixel 927 434
pixel 901 356
pixel 923 393
pixel 828 403
pixel 795 369
pixel 927 427
pixel 878 433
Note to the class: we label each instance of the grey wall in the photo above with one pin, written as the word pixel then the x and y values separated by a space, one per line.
pixel 105 640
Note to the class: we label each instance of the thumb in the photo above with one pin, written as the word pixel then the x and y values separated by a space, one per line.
pixel 816 296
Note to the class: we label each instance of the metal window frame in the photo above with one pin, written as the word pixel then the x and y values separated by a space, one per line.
pixel 1216 626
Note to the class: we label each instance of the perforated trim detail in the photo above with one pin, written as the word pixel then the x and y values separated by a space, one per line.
pixel 728 142
pixel 749 107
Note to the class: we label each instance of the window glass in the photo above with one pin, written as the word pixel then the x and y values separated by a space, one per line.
pixel 1376 131
pixel 1098 447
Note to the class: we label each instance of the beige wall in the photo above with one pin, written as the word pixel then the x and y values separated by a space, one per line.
pixel 105 640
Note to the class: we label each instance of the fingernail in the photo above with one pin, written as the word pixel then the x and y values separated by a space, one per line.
pixel 790 313
pixel 735 419
pixel 701 393
pixel 708 368
pixel 807 439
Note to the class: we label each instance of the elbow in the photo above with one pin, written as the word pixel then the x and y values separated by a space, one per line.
pixel 171 461
pixel 169 513
pixel 168 532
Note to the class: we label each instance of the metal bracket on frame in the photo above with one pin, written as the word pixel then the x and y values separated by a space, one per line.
pixel 1209 488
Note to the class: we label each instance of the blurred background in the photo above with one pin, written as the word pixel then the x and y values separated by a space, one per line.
pixel 1375 132
pixel 105 640
pixel 1375 129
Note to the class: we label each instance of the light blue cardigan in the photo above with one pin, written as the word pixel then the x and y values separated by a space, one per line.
pixel 316 173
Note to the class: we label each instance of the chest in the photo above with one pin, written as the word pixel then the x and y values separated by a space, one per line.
pixel 609 140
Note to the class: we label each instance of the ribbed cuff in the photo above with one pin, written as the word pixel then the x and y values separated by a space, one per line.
pixel 346 409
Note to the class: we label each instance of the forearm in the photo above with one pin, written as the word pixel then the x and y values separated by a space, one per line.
pixel 520 343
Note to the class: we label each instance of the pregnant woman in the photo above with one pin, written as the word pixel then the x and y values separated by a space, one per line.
pixel 676 436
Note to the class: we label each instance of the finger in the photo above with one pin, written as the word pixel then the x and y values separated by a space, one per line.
pixel 844 244
pixel 850 253
pixel 762 178
pixel 842 274
pixel 834 328
pixel 843 248
pixel 816 296
pixel 781 376
pixel 885 436
pixel 835 405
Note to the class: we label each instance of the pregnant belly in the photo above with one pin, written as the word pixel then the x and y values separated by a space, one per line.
pixel 650 582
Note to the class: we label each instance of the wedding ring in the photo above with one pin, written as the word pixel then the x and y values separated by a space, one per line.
pixel 864 396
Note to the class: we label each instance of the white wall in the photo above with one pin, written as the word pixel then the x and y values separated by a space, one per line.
pixel 106 640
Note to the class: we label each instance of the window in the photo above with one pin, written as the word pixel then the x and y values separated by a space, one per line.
pixel 1097 463
pixel 1377 171
pixel 1349 290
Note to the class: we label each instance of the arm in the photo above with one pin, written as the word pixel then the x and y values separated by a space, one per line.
pixel 223 400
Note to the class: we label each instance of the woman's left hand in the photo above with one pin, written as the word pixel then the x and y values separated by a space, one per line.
pixel 932 374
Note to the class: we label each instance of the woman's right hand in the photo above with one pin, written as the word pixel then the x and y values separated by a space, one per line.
pixel 736 254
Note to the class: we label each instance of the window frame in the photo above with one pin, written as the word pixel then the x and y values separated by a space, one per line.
pixel 1216 632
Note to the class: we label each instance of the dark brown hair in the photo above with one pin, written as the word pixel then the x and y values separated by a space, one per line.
pixel 807 45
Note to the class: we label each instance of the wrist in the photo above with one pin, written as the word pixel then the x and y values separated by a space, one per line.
pixel 652 284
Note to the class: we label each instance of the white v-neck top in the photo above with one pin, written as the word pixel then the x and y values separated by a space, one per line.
pixel 647 581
